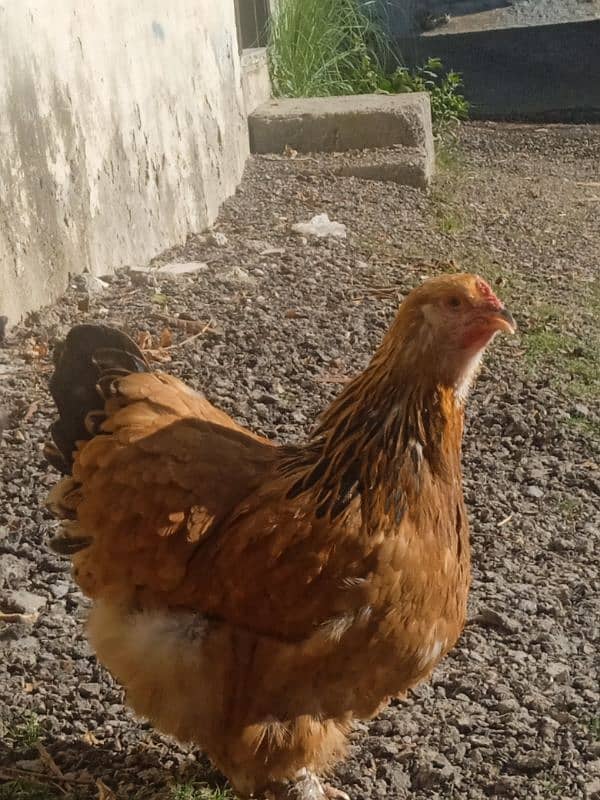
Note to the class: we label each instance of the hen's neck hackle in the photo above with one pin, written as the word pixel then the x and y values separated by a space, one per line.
pixel 390 418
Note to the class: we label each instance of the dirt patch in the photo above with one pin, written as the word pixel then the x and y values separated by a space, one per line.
pixel 514 711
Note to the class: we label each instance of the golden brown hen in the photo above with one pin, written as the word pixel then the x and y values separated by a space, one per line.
pixel 256 599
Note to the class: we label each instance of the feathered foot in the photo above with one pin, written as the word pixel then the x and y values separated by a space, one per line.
pixel 306 787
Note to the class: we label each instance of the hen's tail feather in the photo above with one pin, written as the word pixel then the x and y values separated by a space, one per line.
pixel 64 545
pixel 86 364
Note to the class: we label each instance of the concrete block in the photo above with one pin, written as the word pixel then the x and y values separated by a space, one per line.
pixel 351 122
pixel 389 136
pixel 256 83
pixel 408 166
pixel 407 169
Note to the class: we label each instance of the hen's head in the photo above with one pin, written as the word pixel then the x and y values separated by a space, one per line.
pixel 446 323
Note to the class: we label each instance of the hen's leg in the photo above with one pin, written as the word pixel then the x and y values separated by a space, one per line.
pixel 306 787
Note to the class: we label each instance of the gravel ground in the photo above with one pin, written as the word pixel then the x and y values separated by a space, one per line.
pixel 513 712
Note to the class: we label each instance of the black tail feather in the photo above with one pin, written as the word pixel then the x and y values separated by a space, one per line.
pixel 80 361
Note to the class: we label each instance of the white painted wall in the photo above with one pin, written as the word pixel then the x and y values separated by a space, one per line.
pixel 122 128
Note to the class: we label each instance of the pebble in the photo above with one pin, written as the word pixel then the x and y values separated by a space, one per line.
pixel 186 268
pixel 534 491
pixel 21 600
pixel 218 239
pixel 557 671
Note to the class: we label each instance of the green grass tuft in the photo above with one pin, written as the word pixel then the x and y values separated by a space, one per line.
pixel 575 363
pixel 320 48
pixel 199 791
pixel 25 733
pixel 26 790
pixel 323 47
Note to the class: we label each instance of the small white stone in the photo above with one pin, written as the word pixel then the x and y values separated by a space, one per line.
pixel 22 601
pixel 90 283
pixel 272 251
pixel 321 226
pixel 239 275
pixel 219 239
pixel 182 268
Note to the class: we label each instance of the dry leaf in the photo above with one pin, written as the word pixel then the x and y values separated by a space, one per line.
pixel 186 325
pixel 89 738
pixel 33 407
pixel 35 349
pixel 192 325
pixel 48 761
pixel 166 338
pixel 329 377
pixel 158 355
pixel 144 340
pixel 17 617
pixel 104 793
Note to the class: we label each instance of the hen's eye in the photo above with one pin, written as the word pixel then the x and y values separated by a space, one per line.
pixel 454 302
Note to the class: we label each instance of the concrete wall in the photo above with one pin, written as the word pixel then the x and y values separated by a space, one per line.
pixel 544 72
pixel 122 128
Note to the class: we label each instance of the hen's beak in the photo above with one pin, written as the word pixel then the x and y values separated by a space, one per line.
pixel 504 321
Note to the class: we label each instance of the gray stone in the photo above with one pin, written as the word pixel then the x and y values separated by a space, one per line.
pixel 27 645
pixel 532 762
pixel 558 672
pixel 13 569
pixel 60 588
pixel 534 491
pixel 592 789
pixel 21 601
pixel 90 689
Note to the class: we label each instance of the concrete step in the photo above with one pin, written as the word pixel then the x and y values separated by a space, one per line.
pixel 372 122
pixel 405 165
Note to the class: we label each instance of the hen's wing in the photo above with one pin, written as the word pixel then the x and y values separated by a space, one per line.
pixel 164 458
pixel 276 569
pixel 155 468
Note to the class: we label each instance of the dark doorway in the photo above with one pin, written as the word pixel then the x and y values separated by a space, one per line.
pixel 252 18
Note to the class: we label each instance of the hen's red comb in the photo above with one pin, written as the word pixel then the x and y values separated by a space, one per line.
pixel 486 291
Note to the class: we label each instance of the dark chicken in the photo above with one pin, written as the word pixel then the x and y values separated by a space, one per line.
pixel 256 599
